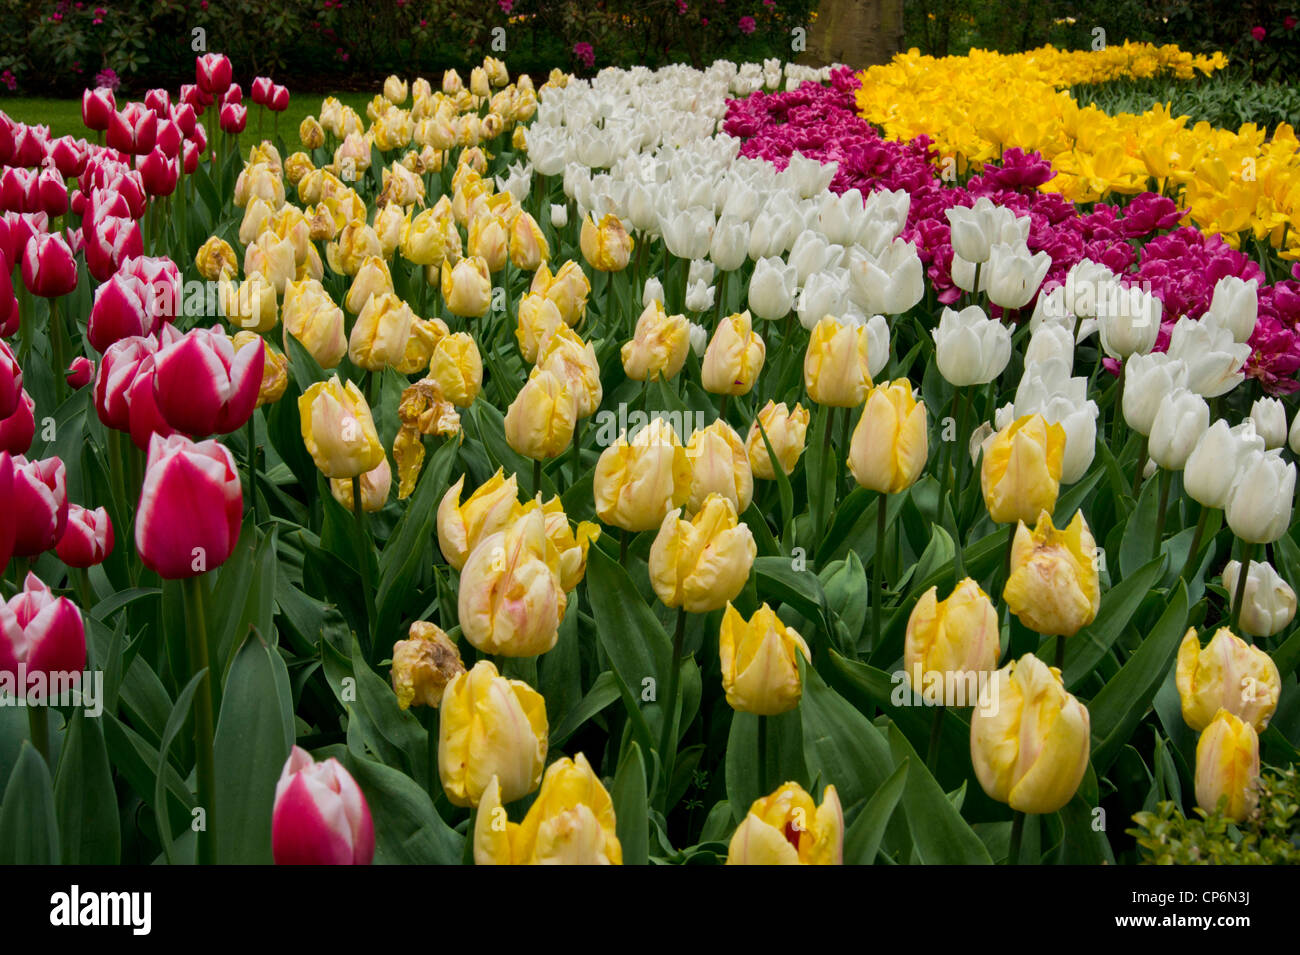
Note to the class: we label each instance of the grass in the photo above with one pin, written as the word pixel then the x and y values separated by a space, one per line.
pixel 63 116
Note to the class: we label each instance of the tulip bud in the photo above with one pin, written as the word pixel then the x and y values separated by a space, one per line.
pixel 574 362
pixel 1212 465
pixel 772 288
pixel 375 485
pixel 719 465
pixel 606 246
pixel 658 347
pixel 760 664
pixel 528 247
pixel 788 828
pixel 1011 276
pixel 1214 361
pixel 1258 508
pixel 489 509
pixel 568 289
pixel 1269 417
pixel 1269 603
pixel 637 483
pixel 701 564
pixel 950 643
pixel 570 822
pixel 457 368
pixel 1227 767
pixel 202 386
pixel 1030 751
pixel 1147 379
pixel 1021 472
pixel 970 347
pixel 835 367
pixel 1227 675
pixel 88 537
pixel 49 269
pixel 311 316
pixel 320 815
pixel 338 430
pixel 785 431
pixel 511 598
pixel 191 506
pixel 1053 587
pixel 423 665
pixel 216 259
pixel 372 278
pixel 39 504
pixel 467 287
pixel 381 332
pixel 734 357
pixel 890 444
pixel 539 423
pixel 19 429
pixel 43 634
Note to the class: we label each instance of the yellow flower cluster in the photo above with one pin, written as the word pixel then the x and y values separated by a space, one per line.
pixel 1231 183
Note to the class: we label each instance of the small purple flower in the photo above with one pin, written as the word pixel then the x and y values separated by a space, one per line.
pixel 585 53
pixel 746 25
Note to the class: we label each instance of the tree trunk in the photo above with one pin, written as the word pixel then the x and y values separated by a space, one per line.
pixel 855 32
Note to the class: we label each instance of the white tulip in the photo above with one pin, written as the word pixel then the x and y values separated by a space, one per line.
pixel 1269 416
pixel 842 217
pixel 808 176
pixel 1236 305
pixel 1051 343
pixel 877 345
pixel 812 253
pixel 970 347
pixel 1050 309
pixel 1259 503
pixel 1268 602
pixel 1214 360
pixel 976 229
pixel 1080 423
pixel 653 292
pixel 1212 465
pixel 1013 275
pixel 890 283
pixel 699 336
pixel 559 215
pixel 1293 437
pixel 1129 321
pixel 825 293
pixel 1087 284
pixel 1180 420
pixel 688 232
pixel 700 270
pixel 1147 379
pixel 699 296
pixel 729 246
pixel 772 288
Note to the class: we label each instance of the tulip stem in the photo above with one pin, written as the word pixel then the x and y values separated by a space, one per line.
pixel 1196 542
pixel 1118 412
pixel 83 589
pixel 56 347
pixel 877 566
pixel 936 734
pixel 762 755
pixel 38 721
pixel 1017 833
pixel 622 546
pixel 537 476
pixel 363 557
pixel 1166 479
pixel 1141 466
pixel 668 738
pixel 197 634
pixel 1247 550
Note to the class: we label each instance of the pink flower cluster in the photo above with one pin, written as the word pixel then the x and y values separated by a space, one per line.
pixel 1133 240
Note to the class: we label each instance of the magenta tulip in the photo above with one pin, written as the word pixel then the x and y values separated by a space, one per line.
pixel 121 310
pixel 162 279
pixel 40 504
pixel 49 270
pixel 68 155
pixel 80 373
pixel 43 632
pixel 279 99
pixel 113 242
pixel 158 172
pixel 133 129
pixel 203 386
pixel 87 539
pixel 159 101
pixel 260 91
pixel 190 507
pixel 29 144
pixel 212 73
pixel 19 429
pixel 169 139
pixel 185 116
pixel 50 193
pixel 11 381
pixel 321 816
pixel 10 317
pixel 17 193
pixel 234 117
pixel 145 417
pixel 7 524
pixel 97 108
pixel 22 228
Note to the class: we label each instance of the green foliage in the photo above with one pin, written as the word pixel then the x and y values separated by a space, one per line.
pixel 1269 836
pixel 1226 99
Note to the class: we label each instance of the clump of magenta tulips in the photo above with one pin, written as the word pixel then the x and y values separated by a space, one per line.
pixel 651 468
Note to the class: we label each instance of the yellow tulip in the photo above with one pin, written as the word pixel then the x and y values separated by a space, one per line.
pixel 216 259
pixel 760 663
pixel 606 246
pixel 733 358
pixel 297 166
pixel 273 258
pixel 835 369
pixel 424 338
pixel 1021 471
pixel 490 729
pixel 638 482
pixel 538 318
pixel 574 362
pixel 540 421
pixel 457 367
pixel 311 316
pixel 1030 748
pixel 571 544
pixel 390 223
pixel 659 345
pixel 568 289
pixel 1053 587
pixel 528 247
pixel 467 288
pixel 373 278
pixel 338 430
pixel 719 465
pixel 489 240
pixel 423 665
pixel 785 431
pixel 490 508
pixel 250 305
pixel 1227 766
pixel 890 444
pixel 1228 674
pixel 310 133
pixel 788 828
pixel 375 485
pixel 355 243
pixel 570 823
pixel 381 332
pixel 949 643
pixel 511 598
pixel 275 368
pixel 702 563
pixel 425 238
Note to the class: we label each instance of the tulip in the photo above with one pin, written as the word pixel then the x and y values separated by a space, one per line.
pixel 467 288
pixel 1212 464
pixel 1021 471
pixel 568 289
pixel 976 229
pixel 788 828
pixel 970 348
pixel 1269 603
pixel 1258 508
pixel 1227 767
pixel 733 358
pixel 133 129
pixel 772 288
pixel 249 305
pixel 1031 750
pixel 97 108
pixel 88 537
pixel 1053 586
pixel 574 362
pixel 1235 306
pixel 120 310
pixel 569 543
pixel 1011 276
pixel 539 423
pixel 42 633
pixel 80 373
pixel 423 665
pixel 233 118
pixel 1147 379
pixel 457 368
pixel 950 642
pixel 702 563
pixel 202 386
pixel 372 278
pixel 212 73
pixel 719 464
pixel 49 269
pixel 1269 417
pixel 605 245
pixel 338 430
pixel 311 316
pixel 216 259
pixel 190 507
pixel 11 381
pixel 1214 360
pixel 511 599
pixel 381 332
pixel 637 483
pixel 40 505
pixel 19 429
pixel 890 444
pixel 489 509
pixel 836 365
pixel 1228 674
pixel 658 347
pixel 375 485
pixel 760 664
pixel 890 283
pixel 571 822
pixel 528 247
pixel 1129 321
pixel 320 815
pixel 785 429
